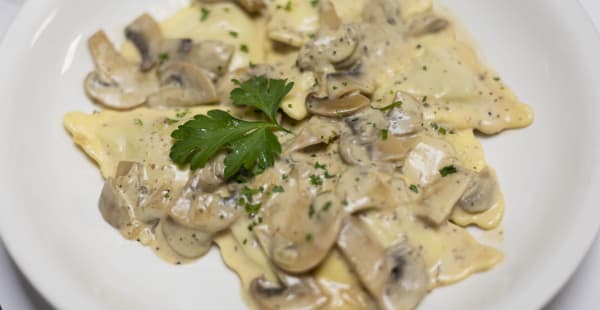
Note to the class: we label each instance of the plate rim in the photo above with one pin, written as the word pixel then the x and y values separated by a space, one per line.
pixel 8 234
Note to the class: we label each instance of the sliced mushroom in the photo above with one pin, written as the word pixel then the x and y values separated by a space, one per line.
pixel 362 188
pixel 183 84
pixel 146 35
pixel 428 24
pixel 114 207
pixel 423 164
pixel 199 208
pixel 130 196
pixel 407 117
pixel 342 83
pixel 340 107
pixel 317 130
pixel 482 193
pixel 396 277
pixel 298 238
pixel 440 197
pixel 211 55
pixel 187 242
pixel 330 50
pixel 295 294
pixel 116 83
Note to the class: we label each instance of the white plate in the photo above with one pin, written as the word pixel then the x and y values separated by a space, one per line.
pixel 546 50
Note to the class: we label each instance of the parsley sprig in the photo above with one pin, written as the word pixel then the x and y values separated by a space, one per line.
pixel 251 146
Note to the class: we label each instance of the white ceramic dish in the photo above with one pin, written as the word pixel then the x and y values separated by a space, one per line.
pixel 545 49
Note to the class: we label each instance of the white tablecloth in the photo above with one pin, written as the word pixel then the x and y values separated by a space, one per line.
pixel 581 293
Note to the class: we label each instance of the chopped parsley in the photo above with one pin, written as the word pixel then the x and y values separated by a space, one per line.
pixel 233 34
pixel 170 121
pixel 163 57
pixel 326 206
pixel 288 6
pixel 414 188
pixel 252 208
pixel 309 237
pixel 244 48
pixel 204 13
pixel 320 166
pixel 497 78
pixel 316 180
pixel 448 170
pixel 391 106
pixel 384 134
pixel 278 189
pixel 311 211
pixel 314 3
pixel 138 122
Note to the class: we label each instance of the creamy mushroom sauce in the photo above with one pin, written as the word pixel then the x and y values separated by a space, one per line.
pixel 357 212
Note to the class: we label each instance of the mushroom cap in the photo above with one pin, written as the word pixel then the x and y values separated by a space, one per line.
pixel 187 242
pixel 483 192
pixel 340 107
pixel 146 35
pixel 299 229
pixel 396 277
pixel 116 83
pixel 296 294
pixel 317 130
pixel 211 55
pixel 197 207
pixel 183 84
pixel 440 197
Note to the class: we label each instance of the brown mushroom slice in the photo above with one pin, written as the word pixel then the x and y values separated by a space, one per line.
pixel 183 84
pixel 211 55
pixel 199 208
pixel 317 130
pixel 363 188
pixel 482 193
pixel 340 107
pixel 298 230
pixel 146 35
pixel 396 277
pixel 116 83
pixel 296 294
pixel 345 82
pixel 187 242
pixel 427 24
pixel 407 116
pixel 440 197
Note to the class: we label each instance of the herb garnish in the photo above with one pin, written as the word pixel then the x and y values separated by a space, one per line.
pixel 414 188
pixel 448 170
pixel 204 13
pixel 251 146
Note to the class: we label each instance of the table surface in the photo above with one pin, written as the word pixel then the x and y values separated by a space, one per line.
pixel 581 292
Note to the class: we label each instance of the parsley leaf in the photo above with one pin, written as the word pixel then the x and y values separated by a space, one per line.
pixel 265 95
pixel 448 170
pixel 252 145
